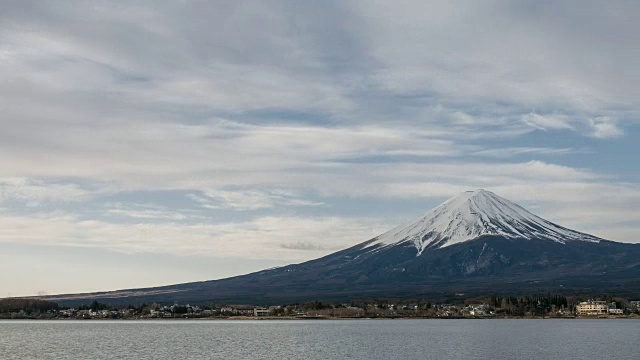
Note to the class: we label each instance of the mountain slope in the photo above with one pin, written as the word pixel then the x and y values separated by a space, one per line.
pixel 476 243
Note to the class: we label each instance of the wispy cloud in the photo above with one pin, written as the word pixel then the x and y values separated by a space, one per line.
pixel 149 212
pixel 34 192
pixel 515 151
pixel 249 199
pixel 545 122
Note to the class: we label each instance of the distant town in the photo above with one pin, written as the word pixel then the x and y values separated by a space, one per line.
pixel 544 306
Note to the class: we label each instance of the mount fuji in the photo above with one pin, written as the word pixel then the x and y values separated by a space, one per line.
pixel 476 243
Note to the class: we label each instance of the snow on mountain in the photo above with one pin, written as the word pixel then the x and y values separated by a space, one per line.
pixel 473 214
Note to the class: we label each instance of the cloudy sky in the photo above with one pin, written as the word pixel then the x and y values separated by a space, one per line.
pixel 148 143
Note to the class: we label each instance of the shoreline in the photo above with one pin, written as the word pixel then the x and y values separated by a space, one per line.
pixel 322 318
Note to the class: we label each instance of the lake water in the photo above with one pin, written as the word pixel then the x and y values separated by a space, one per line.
pixel 322 339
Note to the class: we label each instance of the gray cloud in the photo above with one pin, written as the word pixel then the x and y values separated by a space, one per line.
pixel 307 246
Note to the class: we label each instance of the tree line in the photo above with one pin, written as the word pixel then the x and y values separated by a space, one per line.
pixel 533 304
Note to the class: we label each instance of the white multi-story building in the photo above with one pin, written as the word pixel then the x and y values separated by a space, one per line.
pixel 592 307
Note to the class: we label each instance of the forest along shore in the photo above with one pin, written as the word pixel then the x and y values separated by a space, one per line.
pixel 539 306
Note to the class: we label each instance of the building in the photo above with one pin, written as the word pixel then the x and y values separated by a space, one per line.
pixel 238 310
pixel 615 311
pixel 592 307
pixel 260 312
pixel 476 310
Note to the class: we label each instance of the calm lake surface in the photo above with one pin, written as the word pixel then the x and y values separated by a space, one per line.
pixel 328 339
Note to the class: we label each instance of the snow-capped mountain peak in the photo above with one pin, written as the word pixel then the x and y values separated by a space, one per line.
pixel 472 214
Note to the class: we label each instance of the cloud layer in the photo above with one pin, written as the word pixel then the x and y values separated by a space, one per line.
pixel 286 130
